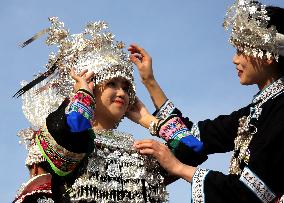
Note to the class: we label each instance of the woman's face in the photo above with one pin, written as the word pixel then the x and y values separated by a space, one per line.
pixel 251 70
pixel 112 99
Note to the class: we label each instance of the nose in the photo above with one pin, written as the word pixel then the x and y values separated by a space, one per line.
pixel 121 92
pixel 236 59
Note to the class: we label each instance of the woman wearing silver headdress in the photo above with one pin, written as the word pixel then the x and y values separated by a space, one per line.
pixel 254 133
pixel 74 124
pixel 38 187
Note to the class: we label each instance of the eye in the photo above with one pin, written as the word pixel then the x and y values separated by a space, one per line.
pixel 110 84
pixel 126 87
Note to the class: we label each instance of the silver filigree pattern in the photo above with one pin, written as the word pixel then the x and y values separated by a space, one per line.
pixel 27 137
pixel 45 200
pixel 94 49
pixel 281 199
pixel 250 34
pixel 195 131
pixel 255 184
pixel 116 169
pixel 166 110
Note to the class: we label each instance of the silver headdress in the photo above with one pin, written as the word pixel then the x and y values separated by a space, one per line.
pixel 34 156
pixel 250 31
pixel 94 49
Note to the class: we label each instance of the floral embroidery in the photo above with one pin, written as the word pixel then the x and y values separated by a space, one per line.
pixel 174 128
pixel 61 160
pixel 84 104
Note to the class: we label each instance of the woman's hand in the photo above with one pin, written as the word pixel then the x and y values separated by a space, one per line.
pixel 166 158
pixel 143 61
pixel 138 113
pixel 83 80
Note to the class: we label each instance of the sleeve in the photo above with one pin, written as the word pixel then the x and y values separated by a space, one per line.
pixel 261 179
pixel 68 135
pixel 190 141
pixel 212 186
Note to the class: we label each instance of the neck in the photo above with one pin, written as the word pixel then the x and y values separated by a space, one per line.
pixel 103 124
pixel 268 81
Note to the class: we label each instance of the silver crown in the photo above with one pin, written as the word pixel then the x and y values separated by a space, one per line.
pixel 250 32
pixel 94 49
pixel 34 156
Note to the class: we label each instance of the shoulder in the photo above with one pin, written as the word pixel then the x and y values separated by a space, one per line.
pixel 38 187
pixel 275 106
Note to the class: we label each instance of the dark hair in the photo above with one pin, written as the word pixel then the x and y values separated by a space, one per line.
pixel 44 165
pixel 276 15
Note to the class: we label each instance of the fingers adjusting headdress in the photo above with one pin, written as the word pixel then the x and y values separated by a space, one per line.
pixel 250 32
pixel 94 49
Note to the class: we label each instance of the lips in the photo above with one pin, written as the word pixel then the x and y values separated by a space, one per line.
pixel 119 101
pixel 240 72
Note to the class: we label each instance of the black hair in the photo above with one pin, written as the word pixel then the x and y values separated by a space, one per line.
pixel 44 165
pixel 276 15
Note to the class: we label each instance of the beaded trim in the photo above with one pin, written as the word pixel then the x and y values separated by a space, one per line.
pixel 165 110
pixel 45 200
pixel 282 199
pixel 60 159
pixel 247 128
pixel 198 195
pixel 35 192
pixel 195 131
pixel 255 184
pixel 45 189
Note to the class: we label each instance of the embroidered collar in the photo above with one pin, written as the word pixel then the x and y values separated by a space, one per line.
pixel 271 91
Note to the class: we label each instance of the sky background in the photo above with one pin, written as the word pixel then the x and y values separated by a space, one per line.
pixel 192 61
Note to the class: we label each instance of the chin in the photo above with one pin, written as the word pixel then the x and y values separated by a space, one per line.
pixel 118 116
pixel 243 82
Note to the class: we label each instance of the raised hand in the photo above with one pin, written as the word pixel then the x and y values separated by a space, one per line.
pixel 165 157
pixel 83 80
pixel 143 61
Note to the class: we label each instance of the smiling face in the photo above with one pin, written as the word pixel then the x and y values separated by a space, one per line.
pixel 112 100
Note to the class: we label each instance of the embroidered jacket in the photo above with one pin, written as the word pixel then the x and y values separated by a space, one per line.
pixel 254 133
pixel 96 167
pixel 36 190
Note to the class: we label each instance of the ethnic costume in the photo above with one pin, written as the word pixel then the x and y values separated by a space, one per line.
pixel 38 188
pixel 94 166
pixel 254 133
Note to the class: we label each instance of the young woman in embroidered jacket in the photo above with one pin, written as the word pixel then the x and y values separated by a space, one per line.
pixel 90 161
pixel 254 133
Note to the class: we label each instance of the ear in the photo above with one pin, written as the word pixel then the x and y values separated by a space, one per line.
pixel 270 61
pixel 35 170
